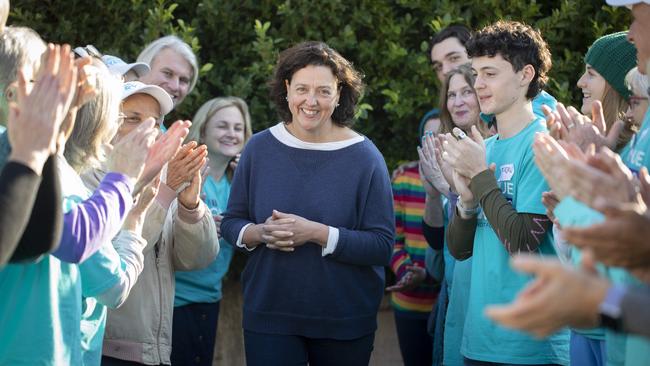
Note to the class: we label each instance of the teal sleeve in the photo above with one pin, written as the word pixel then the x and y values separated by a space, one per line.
pixel 100 271
pixel 530 186
pixel 573 213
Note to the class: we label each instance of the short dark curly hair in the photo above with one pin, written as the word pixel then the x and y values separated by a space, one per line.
pixel 517 43
pixel 350 81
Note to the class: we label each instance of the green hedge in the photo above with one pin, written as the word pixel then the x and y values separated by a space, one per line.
pixel 238 42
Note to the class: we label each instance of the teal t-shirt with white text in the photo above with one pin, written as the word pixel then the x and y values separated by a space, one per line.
pixel 493 281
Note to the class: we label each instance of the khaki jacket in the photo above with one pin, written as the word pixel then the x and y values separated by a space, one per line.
pixel 177 239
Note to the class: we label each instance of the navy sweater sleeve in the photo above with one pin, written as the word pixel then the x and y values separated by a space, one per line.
pixel 372 243
pixel 237 213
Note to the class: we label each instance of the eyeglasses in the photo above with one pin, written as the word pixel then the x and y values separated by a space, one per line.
pixel 88 51
pixel 635 101
pixel 135 120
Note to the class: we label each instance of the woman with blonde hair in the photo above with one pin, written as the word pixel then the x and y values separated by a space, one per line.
pixel 224 126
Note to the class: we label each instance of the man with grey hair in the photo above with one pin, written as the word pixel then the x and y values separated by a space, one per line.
pixel 179 228
pixel 173 67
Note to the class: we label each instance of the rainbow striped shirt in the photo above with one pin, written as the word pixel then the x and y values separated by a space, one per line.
pixel 410 244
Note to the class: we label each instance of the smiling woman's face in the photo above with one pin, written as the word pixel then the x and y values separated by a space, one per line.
pixel 224 132
pixel 462 103
pixel 593 88
pixel 312 95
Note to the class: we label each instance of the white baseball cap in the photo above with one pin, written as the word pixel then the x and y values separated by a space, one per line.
pixel 627 3
pixel 135 87
pixel 118 67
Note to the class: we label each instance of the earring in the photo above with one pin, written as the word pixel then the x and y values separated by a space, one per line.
pixel 286 98
pixel 337 104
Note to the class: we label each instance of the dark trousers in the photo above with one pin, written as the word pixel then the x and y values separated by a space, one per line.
pixel 469 362
pixel 110 361
pixel 289 350
pixel 415 342
pixel 194 333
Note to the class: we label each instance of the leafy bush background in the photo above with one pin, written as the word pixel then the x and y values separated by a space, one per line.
pixel 238 42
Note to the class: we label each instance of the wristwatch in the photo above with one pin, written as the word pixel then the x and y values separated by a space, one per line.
pixel 610 309
pixel 466 211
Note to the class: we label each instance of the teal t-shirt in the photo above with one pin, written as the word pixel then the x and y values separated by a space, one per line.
pixel 457 275
pixel 40 313
pixel 456 311
pixel 98 273
pixel 493 280
pixel 573 213
pixel 204 285
pixel 635 155
pixel 41 308
pixel 620 351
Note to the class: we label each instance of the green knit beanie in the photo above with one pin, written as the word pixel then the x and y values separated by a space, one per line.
pixel 613 56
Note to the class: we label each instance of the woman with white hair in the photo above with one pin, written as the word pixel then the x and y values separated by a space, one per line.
pixel 638 104
pixel 173 67
pixel 109 274
pixel 180 234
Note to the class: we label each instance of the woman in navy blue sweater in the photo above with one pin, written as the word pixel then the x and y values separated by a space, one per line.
pixel 311 201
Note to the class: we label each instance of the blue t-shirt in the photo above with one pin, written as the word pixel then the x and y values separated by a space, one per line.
pixel 303 292
pixel 204 285
pixel 493 280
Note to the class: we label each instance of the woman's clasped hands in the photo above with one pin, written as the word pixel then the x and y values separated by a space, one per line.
pixel 285 232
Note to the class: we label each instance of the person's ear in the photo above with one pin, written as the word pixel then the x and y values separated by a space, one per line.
pixel 527 74
pixel 11 92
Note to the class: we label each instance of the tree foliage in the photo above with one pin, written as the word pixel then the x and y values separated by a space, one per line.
pixel 238 42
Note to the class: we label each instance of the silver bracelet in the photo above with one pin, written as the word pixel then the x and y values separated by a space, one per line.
pixel 466 212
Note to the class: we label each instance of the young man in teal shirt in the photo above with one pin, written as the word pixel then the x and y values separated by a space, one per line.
pixel 500 211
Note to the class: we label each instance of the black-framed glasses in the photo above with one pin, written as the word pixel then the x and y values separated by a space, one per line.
pixel 88 51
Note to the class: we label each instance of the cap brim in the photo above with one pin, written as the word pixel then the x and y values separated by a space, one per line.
pixel 140 68
pixel 164 100
pixel 627 3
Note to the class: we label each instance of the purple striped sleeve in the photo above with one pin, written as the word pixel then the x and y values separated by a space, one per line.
pixel 96 220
